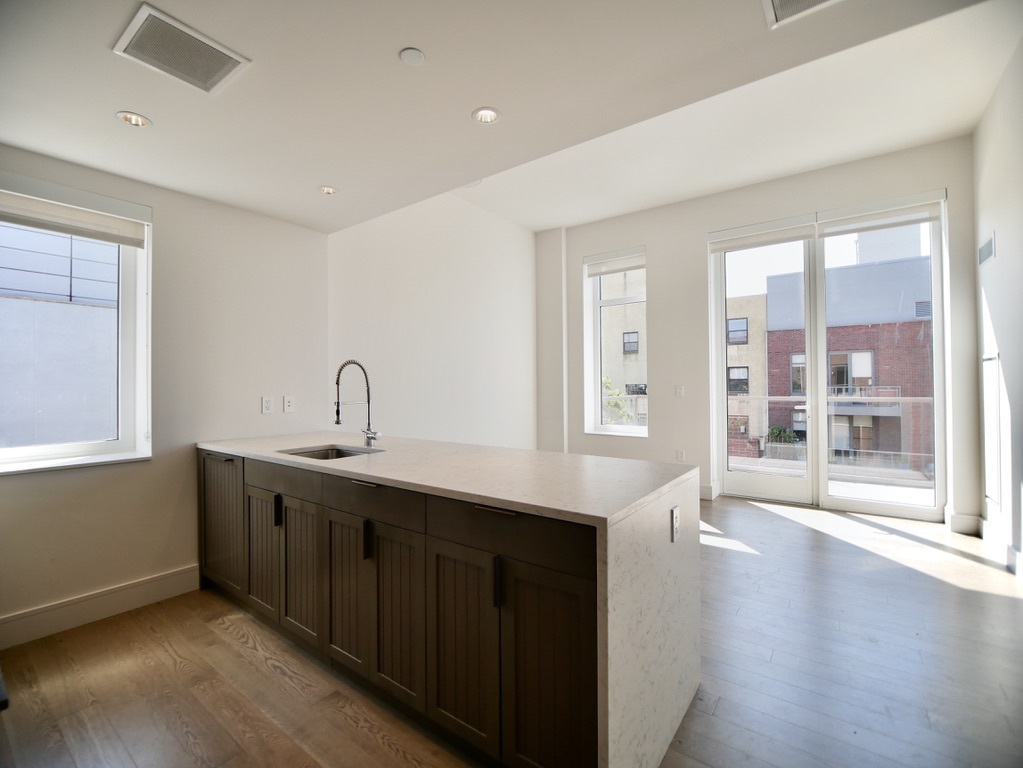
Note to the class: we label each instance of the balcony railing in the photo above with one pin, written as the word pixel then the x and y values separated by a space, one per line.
pixel 864 393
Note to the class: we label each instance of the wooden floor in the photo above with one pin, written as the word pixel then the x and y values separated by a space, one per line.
pixel 828 640
pixel 841 640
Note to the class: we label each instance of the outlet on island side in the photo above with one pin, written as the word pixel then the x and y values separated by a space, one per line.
pixel 676 524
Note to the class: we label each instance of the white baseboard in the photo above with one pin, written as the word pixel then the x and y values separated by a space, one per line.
pixel 1015 560
pixel 41 621
pixel 710 492
pixel 968 525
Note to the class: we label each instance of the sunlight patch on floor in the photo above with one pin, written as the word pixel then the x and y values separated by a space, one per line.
pixel 924 547
pixel 712 537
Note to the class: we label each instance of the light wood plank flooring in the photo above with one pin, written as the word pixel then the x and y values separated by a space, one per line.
pixel 843 640
pixel 828 640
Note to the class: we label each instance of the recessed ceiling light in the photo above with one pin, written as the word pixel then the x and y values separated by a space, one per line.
pixel 486 115
pixel 327 190
pixel 412 56
pixel 134 119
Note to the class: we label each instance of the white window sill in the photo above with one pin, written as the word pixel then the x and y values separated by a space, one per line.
pixel 40 464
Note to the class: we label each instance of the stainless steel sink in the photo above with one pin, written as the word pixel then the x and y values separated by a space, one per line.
pixel 328 452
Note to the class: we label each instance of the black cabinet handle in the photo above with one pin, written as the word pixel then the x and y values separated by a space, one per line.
pixel 367 539
pixel 278 510
pixel 498 592
pixel 363 482
pixel 485 508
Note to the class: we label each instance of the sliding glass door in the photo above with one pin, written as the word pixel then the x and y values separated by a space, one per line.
pixel 828 362
pixel 765 367
pixel 879 348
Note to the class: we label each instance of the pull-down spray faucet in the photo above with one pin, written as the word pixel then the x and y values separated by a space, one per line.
pixel 368 431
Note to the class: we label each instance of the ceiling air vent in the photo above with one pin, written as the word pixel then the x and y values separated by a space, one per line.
pixel 783 10
pixel 163 43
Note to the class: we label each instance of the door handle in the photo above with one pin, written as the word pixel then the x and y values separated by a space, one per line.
pixel 278 510
pixel 367 539
pixel 498 591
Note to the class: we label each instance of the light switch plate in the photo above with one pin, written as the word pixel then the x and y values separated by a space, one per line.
pixel 676 524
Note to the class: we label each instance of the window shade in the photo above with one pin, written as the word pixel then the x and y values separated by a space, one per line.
pixel 758 235
pixel 32 212
pixel 615 261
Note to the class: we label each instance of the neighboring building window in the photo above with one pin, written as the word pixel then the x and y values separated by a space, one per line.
pixel 738 379
pixel 74 330
pixel 798 364
pixel 738 330
pixel 850 372
pixel 799 423
pixel 615 298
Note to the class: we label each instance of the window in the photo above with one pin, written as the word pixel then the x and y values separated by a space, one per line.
pixel 738 379
pixel 738 330
pixel 799 422
pixel 851 372
pixel 798 366
pixel 74 327
pixel 615 300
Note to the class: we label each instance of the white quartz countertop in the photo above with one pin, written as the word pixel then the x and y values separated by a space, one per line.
pixel 595 490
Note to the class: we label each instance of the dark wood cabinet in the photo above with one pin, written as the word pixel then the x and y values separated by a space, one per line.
pixel 482 618
pixel 512 644
pixel 548 667
pixel 285 552
pixel 223 556
pixel 463 635
pixel 376 564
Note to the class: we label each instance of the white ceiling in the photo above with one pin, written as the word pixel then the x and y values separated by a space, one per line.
pixel 607 106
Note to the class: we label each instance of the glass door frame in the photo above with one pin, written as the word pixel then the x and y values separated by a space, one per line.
pixel 939 295
pixel 792 489
pixel 815 490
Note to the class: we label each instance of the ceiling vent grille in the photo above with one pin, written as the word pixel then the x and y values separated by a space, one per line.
pixel 783 10
pixel 162 43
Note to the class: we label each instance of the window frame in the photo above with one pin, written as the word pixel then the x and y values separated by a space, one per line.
pixel 729 379
pixel 61 209
pixel 630 346
pixel 729 331
pixel 793 367
pixel 594 267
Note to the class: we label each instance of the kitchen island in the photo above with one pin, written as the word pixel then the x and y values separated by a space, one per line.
pixel 592 562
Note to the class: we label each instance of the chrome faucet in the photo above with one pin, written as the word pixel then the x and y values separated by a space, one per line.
pixel 368 431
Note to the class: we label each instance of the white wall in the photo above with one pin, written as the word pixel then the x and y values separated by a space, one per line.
pixel 436 300
pixel 999 179
pixel 239 310
pixel 675 237
pixel 550 340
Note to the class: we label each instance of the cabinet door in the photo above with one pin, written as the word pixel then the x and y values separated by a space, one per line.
pixel 222 522
pixel 463 643
pixel 548 667
pixel 301 573
pixel 262 517
pixel 398 653
pixel 351 586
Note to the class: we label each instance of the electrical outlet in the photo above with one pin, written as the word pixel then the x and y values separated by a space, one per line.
pixel 676 524
pixel 680 454
pixel 289 403
pixel 680 390
pixel 268 404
